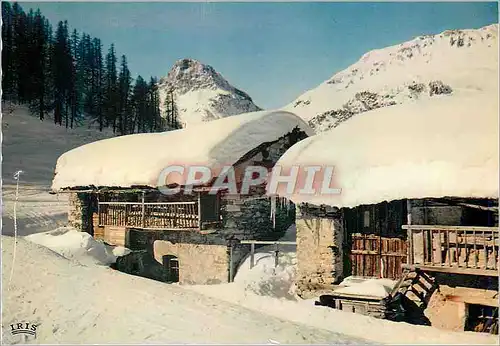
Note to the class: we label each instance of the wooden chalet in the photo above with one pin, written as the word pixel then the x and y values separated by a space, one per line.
pixel 419 204
pixel 192 236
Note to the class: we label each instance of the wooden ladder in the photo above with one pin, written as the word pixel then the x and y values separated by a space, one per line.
pixel 416 283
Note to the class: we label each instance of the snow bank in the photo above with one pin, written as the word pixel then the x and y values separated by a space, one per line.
pixel 74 304
pixel 138 159
pixel 434 148
pixel 380 288
pixel 264 278
pixel 79 246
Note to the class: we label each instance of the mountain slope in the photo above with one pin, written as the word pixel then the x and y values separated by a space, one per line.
pixel 202 94
pixel 451 63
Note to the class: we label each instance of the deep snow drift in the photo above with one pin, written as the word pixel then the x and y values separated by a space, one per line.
pixel 454 62
pixel 75 303
pixel 80 246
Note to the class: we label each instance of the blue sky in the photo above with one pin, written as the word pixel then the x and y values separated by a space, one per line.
pixel 273 51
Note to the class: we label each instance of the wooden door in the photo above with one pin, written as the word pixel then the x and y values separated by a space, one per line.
pixel 376 256
pixel 375 243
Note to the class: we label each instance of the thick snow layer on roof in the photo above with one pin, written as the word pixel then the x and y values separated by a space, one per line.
pixel 434 148
pixel 138 159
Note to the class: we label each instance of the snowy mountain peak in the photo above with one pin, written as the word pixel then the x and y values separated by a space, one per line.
pixel 449 63
pixel 202 94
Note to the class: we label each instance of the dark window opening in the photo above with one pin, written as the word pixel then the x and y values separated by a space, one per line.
pixel 482 319
pixel 171 264
pixel 209 204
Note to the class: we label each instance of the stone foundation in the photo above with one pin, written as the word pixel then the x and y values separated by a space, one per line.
pixel 79 212
pixel 198 264
pixel 319 252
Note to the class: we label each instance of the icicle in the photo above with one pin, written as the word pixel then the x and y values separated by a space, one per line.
pixel 273 210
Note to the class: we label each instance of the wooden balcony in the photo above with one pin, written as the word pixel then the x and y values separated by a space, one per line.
pixel 161 216
pixel 453 249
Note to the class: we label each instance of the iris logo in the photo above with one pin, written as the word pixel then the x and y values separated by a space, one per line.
pixel 25 328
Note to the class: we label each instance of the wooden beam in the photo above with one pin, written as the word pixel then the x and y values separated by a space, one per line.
pixel 148 203
pixel 453 270
pixel 449 228
pixel 268 242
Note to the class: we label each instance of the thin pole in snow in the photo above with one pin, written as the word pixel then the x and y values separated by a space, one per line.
pixel 16 176
pixel 252 255
pixel 276 254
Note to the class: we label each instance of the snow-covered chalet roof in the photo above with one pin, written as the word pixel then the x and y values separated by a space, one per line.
pixel 138 159
pixel 442 147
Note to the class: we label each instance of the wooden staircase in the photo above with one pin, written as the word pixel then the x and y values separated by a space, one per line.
pixel 416 286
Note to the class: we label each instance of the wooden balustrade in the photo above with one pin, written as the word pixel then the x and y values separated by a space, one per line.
pixel 457 249
pixel 166 215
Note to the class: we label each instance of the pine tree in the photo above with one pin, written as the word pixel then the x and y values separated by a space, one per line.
pixel 124 106
pixel 157 121
pixel 111 98
pixel 85 71
pixel 139 98
pixel 68 75
pixel 76 88
pixel 97 83
pixel 8 75
pixel 20 52
pixel 171 112
pixel 40 69
pixel 61 67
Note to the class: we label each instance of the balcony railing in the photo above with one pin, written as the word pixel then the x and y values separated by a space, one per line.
pixel 454 249
pixel 168 215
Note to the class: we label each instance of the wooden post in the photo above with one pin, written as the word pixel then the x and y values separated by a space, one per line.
pixel 99 221
pixel 276 252
pixel 143 211
pixel 252 255
pixel 199 210
pixel 410 232
pixel 231 269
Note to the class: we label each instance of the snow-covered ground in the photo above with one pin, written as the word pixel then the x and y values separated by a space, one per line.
pixel 33 146
pixel 76 303
pixel 76 299
pixel 271 291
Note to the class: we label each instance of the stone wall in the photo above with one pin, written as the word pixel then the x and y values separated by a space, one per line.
pixel 448 307
pixel 198 264
pixel 249 217
pixel 80 212
pixel 319 251
pixel 203 258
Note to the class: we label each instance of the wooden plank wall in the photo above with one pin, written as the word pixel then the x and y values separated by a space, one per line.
pixel 376 256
